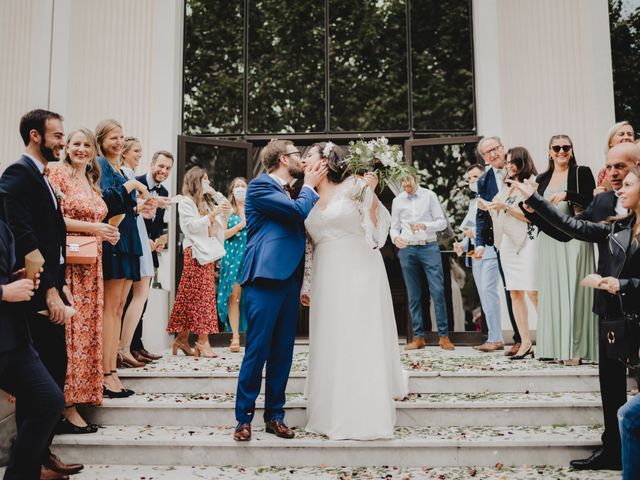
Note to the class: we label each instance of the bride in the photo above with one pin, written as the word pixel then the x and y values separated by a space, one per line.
pixel 354 359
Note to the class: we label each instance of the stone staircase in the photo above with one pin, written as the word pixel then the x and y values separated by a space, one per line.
pixel 466 409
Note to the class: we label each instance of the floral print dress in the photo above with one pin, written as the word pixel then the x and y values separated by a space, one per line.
pixel 84 330
pixel 231 267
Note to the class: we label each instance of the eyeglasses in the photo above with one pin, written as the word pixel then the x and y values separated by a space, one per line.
pixel 297 152
pixel 564 148
pixel 491 150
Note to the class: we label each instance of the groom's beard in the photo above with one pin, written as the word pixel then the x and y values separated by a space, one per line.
pixel 47 153
pixel 296 173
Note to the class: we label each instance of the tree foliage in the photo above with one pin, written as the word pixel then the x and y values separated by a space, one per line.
pixel 624 24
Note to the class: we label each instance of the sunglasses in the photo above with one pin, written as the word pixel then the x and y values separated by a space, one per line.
pixel 564 148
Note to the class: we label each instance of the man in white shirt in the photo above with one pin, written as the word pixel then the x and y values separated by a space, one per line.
pixel 416 217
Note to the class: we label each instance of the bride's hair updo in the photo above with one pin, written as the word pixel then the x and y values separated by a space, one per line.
pixel 335 161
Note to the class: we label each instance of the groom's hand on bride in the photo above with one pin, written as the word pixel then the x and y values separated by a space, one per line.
pixel 313 175
pixel 305 299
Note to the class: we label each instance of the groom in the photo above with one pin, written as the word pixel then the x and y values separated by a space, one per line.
pixel 271 282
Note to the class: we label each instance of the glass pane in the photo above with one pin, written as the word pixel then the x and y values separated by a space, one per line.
pixel 222 164
pixel 213 67
pixel 368 65
pixel 286 72
pixel 443 169
pixel 442 65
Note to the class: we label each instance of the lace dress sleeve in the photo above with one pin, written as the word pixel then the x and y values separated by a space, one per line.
pixel 375 234
pixel 308 263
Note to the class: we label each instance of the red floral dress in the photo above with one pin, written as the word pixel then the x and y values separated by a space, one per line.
pixel 84 330
pixel 194 309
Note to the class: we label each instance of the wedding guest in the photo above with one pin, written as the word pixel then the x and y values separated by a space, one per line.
pixel 611 372
pixel 231 308
pixel 566 329
pixel 31 210
pixel 131 155
pixel 159 170
pixel 194 309
pixel 77 177
pixel 515 239
pixel 120 262
pixel 491 150
pixel 619 289
pixel 416 217
pixel 485 269
pixel 621 132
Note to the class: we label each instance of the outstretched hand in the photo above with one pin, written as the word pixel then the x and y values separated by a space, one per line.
pixel 526 188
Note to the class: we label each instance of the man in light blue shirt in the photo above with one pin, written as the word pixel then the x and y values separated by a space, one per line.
pixel 416 217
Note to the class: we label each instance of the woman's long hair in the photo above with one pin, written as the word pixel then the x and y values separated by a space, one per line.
pixel 192 187
pixel 230 196
pixel 572 159
pixel 102 129
pixel 92 170
pixel 521 158
pixel 636 227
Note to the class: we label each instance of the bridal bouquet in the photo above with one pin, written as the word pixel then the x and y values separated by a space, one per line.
pixel 377 156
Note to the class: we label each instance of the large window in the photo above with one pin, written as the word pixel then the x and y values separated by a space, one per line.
pixel 624 24
pixel 259 67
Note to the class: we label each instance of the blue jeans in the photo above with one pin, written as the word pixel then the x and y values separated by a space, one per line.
pixel 415 260
pixel 629 418
pixel 486 273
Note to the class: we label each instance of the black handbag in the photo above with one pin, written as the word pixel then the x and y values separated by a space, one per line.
pixel 622 337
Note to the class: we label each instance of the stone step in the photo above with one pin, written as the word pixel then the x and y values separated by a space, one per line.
pixel 161 472
pixel 411 447
pixel 432 370
pixel 570 379
pixel 477 409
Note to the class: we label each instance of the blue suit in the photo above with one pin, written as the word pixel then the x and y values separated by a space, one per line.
pixel 487 189
pixel 271 279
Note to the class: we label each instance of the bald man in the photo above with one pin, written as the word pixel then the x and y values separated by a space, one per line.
pixel 613 374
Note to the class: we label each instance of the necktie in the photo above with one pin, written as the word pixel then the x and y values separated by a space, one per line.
pixel 289 190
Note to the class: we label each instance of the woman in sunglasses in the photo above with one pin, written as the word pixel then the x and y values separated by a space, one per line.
pixel 567 329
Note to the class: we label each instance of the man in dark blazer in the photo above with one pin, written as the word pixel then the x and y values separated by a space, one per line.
pixel 160 168
pixel 39 400
pixel 492 152
pixel 612 373
pixel 29 207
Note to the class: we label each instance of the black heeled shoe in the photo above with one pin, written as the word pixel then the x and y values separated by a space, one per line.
pixel 524 355
pixel 111 394
pixel 64 426
pixel 127 392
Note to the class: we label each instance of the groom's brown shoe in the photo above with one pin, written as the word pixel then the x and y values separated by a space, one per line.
pixel 242 433
pixel 279 429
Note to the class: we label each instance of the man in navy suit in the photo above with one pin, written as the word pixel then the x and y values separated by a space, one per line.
pixel 39 400
pixel 160 168
pixel 30 208
pixel 492 152
pixel 271 280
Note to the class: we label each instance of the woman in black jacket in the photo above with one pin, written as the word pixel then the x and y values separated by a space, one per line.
pixel 621 280
pixel 567 330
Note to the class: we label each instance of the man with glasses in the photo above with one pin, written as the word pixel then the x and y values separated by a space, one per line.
pixel 489 184
pixel 271 281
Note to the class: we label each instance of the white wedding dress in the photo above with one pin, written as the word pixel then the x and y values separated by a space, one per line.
pixel 354 359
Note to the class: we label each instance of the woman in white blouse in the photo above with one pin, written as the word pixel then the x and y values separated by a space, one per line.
pixel 195 306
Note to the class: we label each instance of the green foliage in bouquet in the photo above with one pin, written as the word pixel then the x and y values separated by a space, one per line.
pixel 378 156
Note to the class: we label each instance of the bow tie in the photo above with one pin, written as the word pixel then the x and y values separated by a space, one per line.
pixel 412 196
pixel 46 171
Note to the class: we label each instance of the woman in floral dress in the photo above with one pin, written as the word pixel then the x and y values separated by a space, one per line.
pixel 231 308
pixel 75 180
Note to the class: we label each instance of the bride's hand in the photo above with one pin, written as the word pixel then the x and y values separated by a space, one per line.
pixel 305 299
pixel 371 179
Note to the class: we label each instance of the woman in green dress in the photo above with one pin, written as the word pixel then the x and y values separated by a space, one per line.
pixel 567 330
pixel 231 309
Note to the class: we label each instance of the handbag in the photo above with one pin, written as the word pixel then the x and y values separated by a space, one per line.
pixel 622 337
pixel 81 250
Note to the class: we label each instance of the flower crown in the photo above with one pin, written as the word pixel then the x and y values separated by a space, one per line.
pixel 327 149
